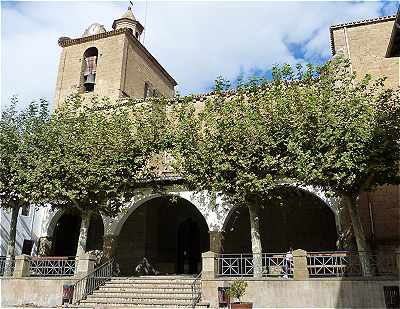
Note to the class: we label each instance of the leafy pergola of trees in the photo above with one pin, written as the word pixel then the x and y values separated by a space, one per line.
pixel 316 126
pixel 81 158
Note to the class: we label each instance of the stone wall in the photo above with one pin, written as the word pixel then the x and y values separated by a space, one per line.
pixel 366 44
pixel 138 69
pixel 37 292
pixel 312 293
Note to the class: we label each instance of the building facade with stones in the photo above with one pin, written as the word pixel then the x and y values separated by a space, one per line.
pixel 373 47
pixel 173 228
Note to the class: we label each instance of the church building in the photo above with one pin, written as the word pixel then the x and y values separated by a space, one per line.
pixel 173 230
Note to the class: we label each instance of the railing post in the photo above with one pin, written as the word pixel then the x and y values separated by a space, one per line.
pixel 209 265
pixel 85 265
pixel 21 268
pixel 300 270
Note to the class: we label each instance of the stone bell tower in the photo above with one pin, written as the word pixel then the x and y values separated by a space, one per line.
pixel 112 63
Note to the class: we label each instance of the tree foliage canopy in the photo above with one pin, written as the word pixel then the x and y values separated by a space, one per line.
pixel 93 158
pixel 316 125
pixel 19 132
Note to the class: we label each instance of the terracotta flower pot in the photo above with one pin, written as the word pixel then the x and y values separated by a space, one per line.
pixel 242 305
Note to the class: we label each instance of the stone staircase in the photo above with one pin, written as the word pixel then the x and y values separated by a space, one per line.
pixel 144 291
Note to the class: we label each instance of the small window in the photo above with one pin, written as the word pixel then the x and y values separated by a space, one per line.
pixel 25 211
pixel 137 35
pixel 27 247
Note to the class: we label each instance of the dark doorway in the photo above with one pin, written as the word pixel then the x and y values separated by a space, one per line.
pixel 299 220
pixel 66 234
pixel 169 231
pixel 188 247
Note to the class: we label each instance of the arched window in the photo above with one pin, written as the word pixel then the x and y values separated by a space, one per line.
pixel 89 68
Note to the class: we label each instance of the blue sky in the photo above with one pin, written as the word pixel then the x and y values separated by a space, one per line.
pixel 194 41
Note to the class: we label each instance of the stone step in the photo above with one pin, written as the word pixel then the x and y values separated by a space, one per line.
pixel 144 289
pixel 144 301
pixel 135 297
pixel 147 294
pixel 151 281
pixel 161 277
pixel 139 285
pixel 112 306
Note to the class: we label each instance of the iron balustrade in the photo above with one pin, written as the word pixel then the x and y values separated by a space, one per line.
pixel 348 264
pixel 241 265
pixel 92 281
pixel 51 266
pixel 196 290
pixel 7 263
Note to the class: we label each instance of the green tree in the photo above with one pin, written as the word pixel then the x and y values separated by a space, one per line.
pixel 346 135
pixel 19 132
pixel 235 145
pixel 94 155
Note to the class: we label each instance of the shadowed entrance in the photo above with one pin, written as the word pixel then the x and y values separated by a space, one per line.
pixel 66 234
pixel 169 231
pixel 301 221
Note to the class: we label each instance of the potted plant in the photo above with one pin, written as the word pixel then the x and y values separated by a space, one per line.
pixel 236 291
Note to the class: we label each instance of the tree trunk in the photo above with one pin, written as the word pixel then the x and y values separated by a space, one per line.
pixel 83 233
pixel 11 240
pixel 362 243
pixel 255 239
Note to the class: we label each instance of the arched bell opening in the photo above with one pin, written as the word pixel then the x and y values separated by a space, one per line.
pixel 299 220
pixel 89 69
pixel 169 232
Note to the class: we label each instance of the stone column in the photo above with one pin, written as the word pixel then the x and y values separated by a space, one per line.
pixel 85 265
pixel 215 241
pixel 109 246
pixel 45 245
pixel 300 270
pixel 209 265
pixel 21 268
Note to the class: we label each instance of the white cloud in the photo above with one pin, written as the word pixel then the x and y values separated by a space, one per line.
pixel 194 41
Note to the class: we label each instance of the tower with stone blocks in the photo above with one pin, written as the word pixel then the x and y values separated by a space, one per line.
pixel 111 63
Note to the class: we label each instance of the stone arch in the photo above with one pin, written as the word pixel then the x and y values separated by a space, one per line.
pixel 168 230
pixel 214 216
pixel 50 229
pixel 331 203
pixel 325 217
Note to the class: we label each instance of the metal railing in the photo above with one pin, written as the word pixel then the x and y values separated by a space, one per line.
pixel 50 266
pixel 241 265
pixel 92 281
pixel 7 263
pixel 196 290
pixel 347 264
